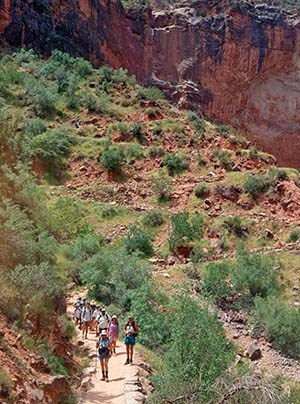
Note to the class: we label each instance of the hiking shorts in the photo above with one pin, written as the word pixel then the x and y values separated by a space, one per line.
pixel 129 340
pixel 86 324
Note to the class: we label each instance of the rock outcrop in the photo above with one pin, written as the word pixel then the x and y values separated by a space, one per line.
pixel 236 62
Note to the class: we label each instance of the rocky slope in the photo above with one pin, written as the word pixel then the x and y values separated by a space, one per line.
pixel 235 63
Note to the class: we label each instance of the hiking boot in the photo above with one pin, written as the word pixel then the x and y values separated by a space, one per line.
pixel 127 362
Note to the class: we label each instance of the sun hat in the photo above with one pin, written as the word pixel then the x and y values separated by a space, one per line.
pixel 114 316
pixel 103 332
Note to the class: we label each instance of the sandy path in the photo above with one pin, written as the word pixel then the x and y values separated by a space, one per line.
pixel 101 391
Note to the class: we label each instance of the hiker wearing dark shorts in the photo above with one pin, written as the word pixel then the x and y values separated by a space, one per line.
pixel 86 318
pixel 131 332
pixel 104 353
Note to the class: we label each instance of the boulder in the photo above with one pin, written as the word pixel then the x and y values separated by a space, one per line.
pixel 229 192
pixel 254 352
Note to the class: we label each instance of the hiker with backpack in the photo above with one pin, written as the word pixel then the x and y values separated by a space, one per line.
pixel 104 353
pixel 131 332
pixel 103 321
pixel 77 315
pixel 86 318
pixel 96 313
pixel 113 333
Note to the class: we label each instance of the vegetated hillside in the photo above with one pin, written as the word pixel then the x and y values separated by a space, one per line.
pixel 233 61
pixel 134 204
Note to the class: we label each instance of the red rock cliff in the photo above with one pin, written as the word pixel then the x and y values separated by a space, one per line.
pixel 238 64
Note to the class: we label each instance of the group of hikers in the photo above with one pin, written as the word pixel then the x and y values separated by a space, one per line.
pixel 91 317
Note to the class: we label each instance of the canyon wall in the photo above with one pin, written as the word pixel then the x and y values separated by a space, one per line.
pixel 236 63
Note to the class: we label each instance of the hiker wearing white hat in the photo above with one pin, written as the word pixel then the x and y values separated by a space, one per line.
pixel 104 353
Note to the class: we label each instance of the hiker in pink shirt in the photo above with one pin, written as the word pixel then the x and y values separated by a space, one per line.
pixel 113 333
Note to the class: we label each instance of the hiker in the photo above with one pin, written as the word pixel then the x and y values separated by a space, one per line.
pixel 77 315
pixel 77 122
pixel 104 353
pixel 78 302
pixel 103 320
pixel 113 333
pixel 86 317
pixel 131 332
pixel 96 313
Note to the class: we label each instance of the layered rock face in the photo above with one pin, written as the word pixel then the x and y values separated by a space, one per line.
pixel 235 63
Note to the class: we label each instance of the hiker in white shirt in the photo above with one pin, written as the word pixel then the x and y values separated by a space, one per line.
pixel 86 318
pixel 96 313
pixel 103 320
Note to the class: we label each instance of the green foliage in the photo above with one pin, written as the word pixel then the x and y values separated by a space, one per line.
pixel 109 212
pixel 175 163
pixel 66 220
pixel 156 151
pixel 153 219
pixel 137 132
pixel 235 225
pixel 223 130
pixel 255 274
pixel 112 158
pixel 280 322
pixel 255 185
pixel 294 235
pixel 201 190
pixel 97 104
pixel 114 276
pixel 153 323
pixel 138 241
pixel 133 151
pixel 162 187
pixel 56 363
pixel 34 127
pixel 198 353
pixel 215 280
pixel 5 384
pixel 224 157
pixel 150 93
pixel 185 228
pixel 43 98
pixel 86 246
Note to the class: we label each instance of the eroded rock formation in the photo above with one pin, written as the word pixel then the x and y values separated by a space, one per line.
pixel 236 63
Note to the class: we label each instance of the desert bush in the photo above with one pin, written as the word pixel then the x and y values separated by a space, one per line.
pixel 150 93
pixel 175 164
pixel 223 130
pixel 5 384
pixel 65 220
pixel 156 151
pixel 109 212
pixel 137 132
pixel 224 157
pixel 276 175
pixel 215 280
pixel 43 98
pixel 34 127
pixel 162 187
pixel 294 235
pixel 255 185
pixel 201 190
pixel 138 241
pixel 114 277
pixel 185 228
pixel 98 104
pixel 85 246
pixel 235 225
pixel 280 322
pixel 112 158
pixel 255 274
pixel 153 219
pixel 133 151
pixel 56 363
pixel 198 353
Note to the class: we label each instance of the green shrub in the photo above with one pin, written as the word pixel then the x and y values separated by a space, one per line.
pixel 5 384
pixel 255 185
pixel 153 219
pixel 43 98
pixel 198 353
pixel 255 274
pixel 138 241
pixel 34 127
pixel 113 158
pixel 235 225
pixel 109 212
pixel 223 130
pixel 280 322
pixel 224 157
pixel 133 151
pixel 175 163
pixel 150 93
pixel 156 151
pixel 162 187
pixel 98 104
pixel 56 363
pixel 137 132
pixel 85 246
pixel 201 190
pixel 215 280
pixel 294 235
pixel 185 228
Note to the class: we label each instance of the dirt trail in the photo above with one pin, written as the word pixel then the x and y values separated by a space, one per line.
pixel 123 379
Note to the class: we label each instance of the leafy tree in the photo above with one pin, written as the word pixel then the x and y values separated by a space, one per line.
pixel 185 228
pixel 162 187
pixel 138 241
pixel 215 280
pixel 112 158
pixel 255 185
